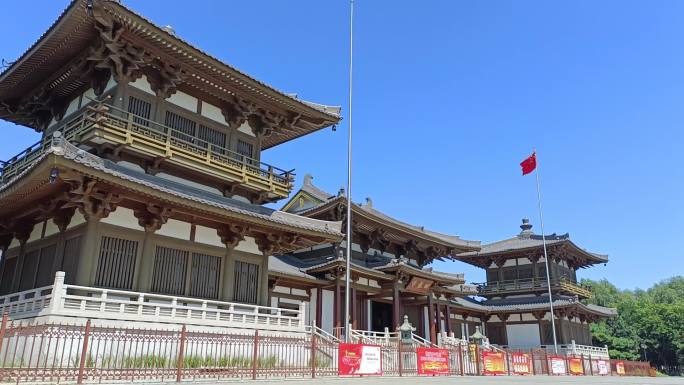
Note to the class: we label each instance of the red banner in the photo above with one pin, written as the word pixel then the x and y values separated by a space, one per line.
pixel 557 365
pixel 576 366
pixel 432 361
pixel 493 363
pixel 620 368
pixel 359 360
pixel 521 362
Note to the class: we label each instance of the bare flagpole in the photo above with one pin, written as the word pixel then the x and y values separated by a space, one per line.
pixel 546 257
pixel 347 273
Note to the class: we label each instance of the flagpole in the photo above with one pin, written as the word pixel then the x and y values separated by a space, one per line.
pixel 347 273
pixel 546 256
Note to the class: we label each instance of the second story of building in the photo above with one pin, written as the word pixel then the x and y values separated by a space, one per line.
pixel 516 266
pixel 123 88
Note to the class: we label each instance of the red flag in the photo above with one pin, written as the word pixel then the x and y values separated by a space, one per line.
pixel 528 165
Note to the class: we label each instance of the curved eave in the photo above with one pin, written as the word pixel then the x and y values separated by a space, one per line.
pixel 35 178
pixel 393 225
pixel 479 258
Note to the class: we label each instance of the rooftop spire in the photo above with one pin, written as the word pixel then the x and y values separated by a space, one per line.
pixel 526 228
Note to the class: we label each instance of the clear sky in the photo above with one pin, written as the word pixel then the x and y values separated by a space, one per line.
pixel 451 95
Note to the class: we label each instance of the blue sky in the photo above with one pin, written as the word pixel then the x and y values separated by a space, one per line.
pixel 451 95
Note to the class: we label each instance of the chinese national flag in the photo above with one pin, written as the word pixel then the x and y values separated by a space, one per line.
pixel 528 165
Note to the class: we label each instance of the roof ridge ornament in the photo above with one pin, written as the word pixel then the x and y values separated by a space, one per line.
pixel 526 228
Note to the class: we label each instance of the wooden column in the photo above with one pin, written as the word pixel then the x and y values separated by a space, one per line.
pixel 336 303
pixel 447 312
pixel 438 323
pixel 431 319
pixel 396 307
pixel 353 311
pixel 319 307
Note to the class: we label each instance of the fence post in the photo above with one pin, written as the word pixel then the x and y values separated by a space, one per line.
pixel 84 351
pixel 534 371
pixel 548 363
pixel 591 366
pixel 461 358
pixel 401 359
pixel 313 354
pixel 508 361
pixel 477 360
pixel 255 354
pixel 3 329
pixel 181 354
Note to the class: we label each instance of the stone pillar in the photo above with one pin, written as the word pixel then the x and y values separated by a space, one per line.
pixel 87 258
pixel 263 283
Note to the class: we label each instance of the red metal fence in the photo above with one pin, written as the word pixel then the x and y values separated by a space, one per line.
pixel 52 353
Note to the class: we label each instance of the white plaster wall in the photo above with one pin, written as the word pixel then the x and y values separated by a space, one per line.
pixel 175 228
pixel 523 335
pixel 299 292
pixel 248 245
pixel 189 183
pixel 36 233
pixel 123 217
pixel 327 316
pixel 207 236
pixel 88 96
pixel 13 244
pixel 495 318
pixel 246 129
pixel 111 83
pixel 73 106
pixel 76 220
pixel 143 85
pixel 212 112
pixel 528 317
pixel 509 262
pixel 184 100
pixel 51 228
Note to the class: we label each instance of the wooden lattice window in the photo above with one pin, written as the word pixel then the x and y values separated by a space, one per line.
pixel 46 271
pixel 204 276
pixel 28 272
pixel 183 128
pixel 170 267
pixel 116 263
pixel 209 136
pixel 7 275
pixel 72 249
pixel 246 282
pixel 140 109
pixel 525 272
pixel 245 148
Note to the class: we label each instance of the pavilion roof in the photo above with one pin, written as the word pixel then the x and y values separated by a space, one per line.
pixel 528 243
pixel 49 70
pixel 529 304
pixel 65 155
pixel 368 219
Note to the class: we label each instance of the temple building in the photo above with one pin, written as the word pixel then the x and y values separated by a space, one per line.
pixel 143 199
pixel 388 273
pixel 515 311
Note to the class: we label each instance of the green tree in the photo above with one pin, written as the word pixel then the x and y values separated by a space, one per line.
pixel 653 317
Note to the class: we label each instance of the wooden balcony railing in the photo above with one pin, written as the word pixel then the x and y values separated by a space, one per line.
pixel 103 123
pixel 65 300
pixel 533 284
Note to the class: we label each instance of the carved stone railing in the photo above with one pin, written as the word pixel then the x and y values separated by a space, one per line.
pixel 84 302
pixel 533 284
pixel 102 123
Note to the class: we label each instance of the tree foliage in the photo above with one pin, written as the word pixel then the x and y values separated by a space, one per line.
pixel 652 318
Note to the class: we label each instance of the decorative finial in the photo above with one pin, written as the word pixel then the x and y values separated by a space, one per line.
pixel 369 202
pixel 307 180
pixel 340 192
pixel 526 227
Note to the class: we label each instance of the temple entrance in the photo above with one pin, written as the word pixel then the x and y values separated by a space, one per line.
pixel 381 316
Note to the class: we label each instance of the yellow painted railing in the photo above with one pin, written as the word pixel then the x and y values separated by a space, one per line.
pixel 532 284
pixel 105 124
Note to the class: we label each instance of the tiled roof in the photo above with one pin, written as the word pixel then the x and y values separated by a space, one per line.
pixel 530 304
pixel 328 199
pixel 66 150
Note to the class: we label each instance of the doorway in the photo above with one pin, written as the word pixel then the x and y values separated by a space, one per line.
pixel 381 316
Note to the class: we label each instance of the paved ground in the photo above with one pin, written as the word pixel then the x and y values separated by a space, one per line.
pixel 486 380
